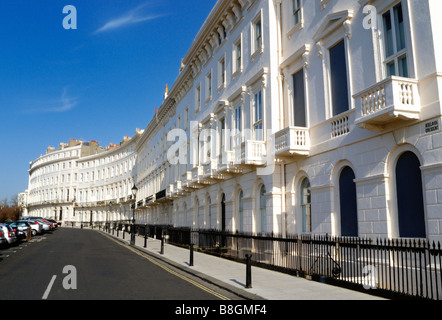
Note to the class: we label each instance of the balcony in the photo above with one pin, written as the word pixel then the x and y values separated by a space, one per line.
pixel 250 153
pixel 164 195
pixel 196 178
pixel 292 141
pixel 178 189
pixel 187 180
pixel 210 171
pixel 226 164
pixel 388 101
pixel 149 201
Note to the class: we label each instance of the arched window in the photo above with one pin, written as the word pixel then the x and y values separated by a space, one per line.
pixel 262 208
pixel 348 203
pixel 306 206
pixel 410 203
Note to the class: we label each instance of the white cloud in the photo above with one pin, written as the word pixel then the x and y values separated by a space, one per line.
pixel 63 104
pixel 131 17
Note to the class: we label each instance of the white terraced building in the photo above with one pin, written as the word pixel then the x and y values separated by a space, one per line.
pixel 82 183
pixel 289 117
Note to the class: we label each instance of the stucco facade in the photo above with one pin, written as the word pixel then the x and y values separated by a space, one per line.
pixel 293 117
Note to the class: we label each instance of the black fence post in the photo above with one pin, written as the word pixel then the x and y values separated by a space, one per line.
pixel 191 255
pixel 248 271
pixel 145 236
pixel 162 242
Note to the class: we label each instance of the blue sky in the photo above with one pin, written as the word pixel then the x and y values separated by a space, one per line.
pixel 98 82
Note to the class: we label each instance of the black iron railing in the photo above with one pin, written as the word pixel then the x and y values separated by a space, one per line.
pixel 409 268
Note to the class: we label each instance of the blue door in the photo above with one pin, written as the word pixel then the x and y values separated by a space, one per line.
pixel 410 200
pixel 348 203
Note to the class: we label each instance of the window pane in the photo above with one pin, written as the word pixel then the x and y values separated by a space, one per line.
pixel 403 67
pixel 338 67
pixel 297 11
pixel 388 35
pixel 399 23
pixel 258 132
pixel 391 69
pixel 238 57
pixel 299 99
pixel 238 119
pixel 258 107
pixel 258 36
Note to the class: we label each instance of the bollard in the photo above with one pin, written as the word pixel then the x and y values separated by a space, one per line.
pixel 248 271
pixel 162 245
pixel 145 239
pixel 29 235
pixel 124 232
pixel 191 255
pixel 118 232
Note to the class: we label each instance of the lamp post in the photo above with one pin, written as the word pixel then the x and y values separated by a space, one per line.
pixel 132 236
pixel 82 210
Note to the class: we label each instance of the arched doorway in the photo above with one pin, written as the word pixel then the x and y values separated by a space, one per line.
pixel 306 205
pixel 262 209
pixel 241 211
pixel 348 203
pixel 409 192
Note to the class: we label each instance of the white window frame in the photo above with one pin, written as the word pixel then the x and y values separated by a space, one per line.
pixel 198 98
pixel 222 73
pixel 294 9
pixel 257 45
pixel 397 55
pixel 209 87
pixel 237 61
pixel 256 120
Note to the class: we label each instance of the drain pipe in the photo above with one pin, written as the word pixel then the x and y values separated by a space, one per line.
pixel 281 117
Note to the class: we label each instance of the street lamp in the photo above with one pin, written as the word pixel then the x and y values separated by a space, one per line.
pixel 132 237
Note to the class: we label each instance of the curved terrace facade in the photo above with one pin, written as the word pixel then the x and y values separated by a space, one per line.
pixel 291 117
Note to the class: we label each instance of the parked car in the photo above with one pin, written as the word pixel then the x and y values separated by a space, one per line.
pixel 21 228
pixel 51 225
pixel 53 222
pixel 2 238
pixel 36 227
pixel 8 233
pixel 45 225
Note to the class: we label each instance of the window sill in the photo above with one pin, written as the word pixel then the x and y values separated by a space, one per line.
pixel 236 73
pixel 257 53
pixel 298 26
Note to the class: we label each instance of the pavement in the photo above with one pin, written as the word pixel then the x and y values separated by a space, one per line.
pixel 231 275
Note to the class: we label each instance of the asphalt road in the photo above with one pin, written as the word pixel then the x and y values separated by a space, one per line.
pixel 75 264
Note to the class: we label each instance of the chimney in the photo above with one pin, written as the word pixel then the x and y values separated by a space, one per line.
pixel 182 65
pixel 166 93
